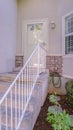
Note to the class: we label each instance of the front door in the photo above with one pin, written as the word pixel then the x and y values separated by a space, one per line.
pixel 36 32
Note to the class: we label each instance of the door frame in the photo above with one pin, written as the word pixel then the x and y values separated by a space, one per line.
pixel 24 32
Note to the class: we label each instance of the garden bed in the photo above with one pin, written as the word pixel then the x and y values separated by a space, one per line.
pixel 41 123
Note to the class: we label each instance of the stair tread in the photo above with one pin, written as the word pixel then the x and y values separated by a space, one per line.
pixel 33 104
pixel 27 117
pixel 4 83
pixel 8 78
pixel 7 74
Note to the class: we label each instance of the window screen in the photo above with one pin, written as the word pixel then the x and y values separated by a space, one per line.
pixel 69 34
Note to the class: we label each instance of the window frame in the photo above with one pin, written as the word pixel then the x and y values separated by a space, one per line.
pixel 64 35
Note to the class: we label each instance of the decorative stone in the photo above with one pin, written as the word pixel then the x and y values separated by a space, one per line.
pixel 55 109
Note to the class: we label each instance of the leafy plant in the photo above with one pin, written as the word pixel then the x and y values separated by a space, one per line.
pixel 69 89
pixel 60 121
pixel 52 99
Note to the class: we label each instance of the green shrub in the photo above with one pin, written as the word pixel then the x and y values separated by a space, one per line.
pixel 69 89
pixel 52 99
pixel 60 121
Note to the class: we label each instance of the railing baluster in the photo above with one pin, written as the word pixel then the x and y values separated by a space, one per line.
pixel 38 61
pixel 44 61
pixel 11 111
pixel 29 76
pixel 22 88
pixel 22 92
pixel 27 83
pixel 0 117
pixel 33 70
pixel 6 114
pixel 19 94
pixel 41 60
pixel 16 105
pixel 26 86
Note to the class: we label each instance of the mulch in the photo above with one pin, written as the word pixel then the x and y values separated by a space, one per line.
pixel 41 123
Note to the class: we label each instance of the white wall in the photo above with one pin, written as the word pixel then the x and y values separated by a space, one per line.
pixel 68 66
pixel 53 10
pixel 34 9
pixel 65 6
pixel 8 16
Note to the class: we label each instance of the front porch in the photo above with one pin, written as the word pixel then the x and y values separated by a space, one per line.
pixel 24 25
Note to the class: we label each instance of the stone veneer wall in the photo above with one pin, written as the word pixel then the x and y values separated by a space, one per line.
pixel 19 61
pixel 54 63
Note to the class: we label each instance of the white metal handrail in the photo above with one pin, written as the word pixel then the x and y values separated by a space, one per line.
pixel 15 100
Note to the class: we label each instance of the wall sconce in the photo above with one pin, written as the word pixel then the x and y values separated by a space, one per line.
pixel 52 25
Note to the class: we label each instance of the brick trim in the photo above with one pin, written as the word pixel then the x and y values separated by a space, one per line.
pixel 54 63
pixel 19 61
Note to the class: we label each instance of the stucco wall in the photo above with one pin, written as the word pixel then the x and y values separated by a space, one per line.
pixel 8 16
pixel 34 9
pixel 53 10
pixel 65 6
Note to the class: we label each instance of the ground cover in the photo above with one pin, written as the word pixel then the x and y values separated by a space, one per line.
pixel 41 123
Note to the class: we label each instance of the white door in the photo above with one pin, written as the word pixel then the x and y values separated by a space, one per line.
pixel 35 32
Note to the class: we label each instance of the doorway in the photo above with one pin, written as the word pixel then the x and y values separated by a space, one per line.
pixel 34 32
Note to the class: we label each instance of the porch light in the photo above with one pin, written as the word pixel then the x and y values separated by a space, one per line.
pixel 52 25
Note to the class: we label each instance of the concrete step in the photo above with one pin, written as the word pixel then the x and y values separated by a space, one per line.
pixel 3 127
pixel 23 91
pixel 23 88
pixel 3 88
pixel 10 78
pixel 33 107
pixel 32 70
pixel 27 117
pixel 4 83
pixel 17 108
pixel 7 77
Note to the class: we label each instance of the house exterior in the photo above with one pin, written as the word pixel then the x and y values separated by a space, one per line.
pixel 15 14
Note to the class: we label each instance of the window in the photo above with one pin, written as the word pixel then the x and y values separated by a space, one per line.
pixel 69 34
